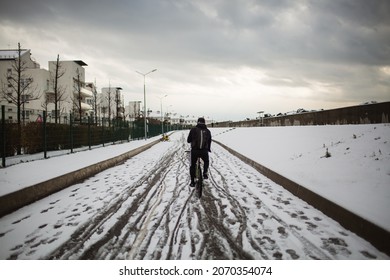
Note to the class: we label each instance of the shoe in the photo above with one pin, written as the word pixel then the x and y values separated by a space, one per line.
pixel 205 176
pixel 192 184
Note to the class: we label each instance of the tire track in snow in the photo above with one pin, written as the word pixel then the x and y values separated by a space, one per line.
pixel 309 248
pixel 72 247
pixel 149 219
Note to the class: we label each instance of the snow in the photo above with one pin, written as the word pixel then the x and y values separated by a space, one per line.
pixel 36 171
pixel 356 176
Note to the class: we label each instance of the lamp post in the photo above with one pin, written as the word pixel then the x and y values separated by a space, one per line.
pixel 162 120
pixel 145 99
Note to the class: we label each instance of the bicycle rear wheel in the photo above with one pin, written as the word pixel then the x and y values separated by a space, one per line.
pixel 199 180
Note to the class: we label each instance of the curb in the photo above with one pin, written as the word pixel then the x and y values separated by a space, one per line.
pixel 369 231
pixel 13 201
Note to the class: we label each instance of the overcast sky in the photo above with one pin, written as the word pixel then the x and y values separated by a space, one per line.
pixel 225 60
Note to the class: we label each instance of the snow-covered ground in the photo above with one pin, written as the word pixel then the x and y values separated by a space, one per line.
pixel 144 208
pixel 355 176
pixel 35 169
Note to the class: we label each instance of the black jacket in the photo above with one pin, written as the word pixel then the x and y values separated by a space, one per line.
pixel 192 136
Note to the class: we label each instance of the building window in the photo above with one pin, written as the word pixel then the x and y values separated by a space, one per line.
pixel 25 82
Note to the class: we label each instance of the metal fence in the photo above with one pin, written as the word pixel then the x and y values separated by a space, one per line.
pixel 42 138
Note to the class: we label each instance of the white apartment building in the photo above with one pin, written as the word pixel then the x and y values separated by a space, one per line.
pixel 39 96
pixel 111 104
pixel 77 94
pixel 133 110
pixel 32 96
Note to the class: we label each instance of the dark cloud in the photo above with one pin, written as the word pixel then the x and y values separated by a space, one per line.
pixel 341 44
pixel 24 11
pixel 247 32
pixel 358 12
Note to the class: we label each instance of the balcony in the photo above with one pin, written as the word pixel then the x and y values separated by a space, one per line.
pixel 86 92
pixel 85 106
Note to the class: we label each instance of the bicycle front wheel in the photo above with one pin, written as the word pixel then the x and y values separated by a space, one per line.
pixel 199 181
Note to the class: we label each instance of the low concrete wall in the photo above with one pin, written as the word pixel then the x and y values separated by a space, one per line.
pixel 376 235
pixel 23 197
pixel 362 114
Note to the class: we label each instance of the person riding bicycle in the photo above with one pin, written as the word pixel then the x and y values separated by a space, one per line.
pixel 200 139
pixel 165 137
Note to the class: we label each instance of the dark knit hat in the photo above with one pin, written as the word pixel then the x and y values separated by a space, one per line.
pixel 201 120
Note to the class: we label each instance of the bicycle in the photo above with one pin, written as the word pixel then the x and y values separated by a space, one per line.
pixel 198 178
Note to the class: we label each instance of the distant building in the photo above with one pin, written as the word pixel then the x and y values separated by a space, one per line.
pixel 32 99
pixel 133 110
pixel 76 98
pixel 111 104
pixel 74 95
pixel 78 95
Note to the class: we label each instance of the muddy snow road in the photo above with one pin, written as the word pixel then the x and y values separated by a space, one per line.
pixel 145 209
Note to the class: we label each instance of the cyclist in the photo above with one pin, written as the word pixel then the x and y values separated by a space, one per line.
pixel 165 137
pixel 200 139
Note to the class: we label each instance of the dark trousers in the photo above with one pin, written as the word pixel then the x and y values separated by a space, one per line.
pixel 195 154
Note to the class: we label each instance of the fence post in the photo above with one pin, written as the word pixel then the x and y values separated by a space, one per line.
pixel 89 132
pixel 44 136
pixel 103 134
pixel 131 130
pixel 71 132
pixel 122 127
pixel 128 131
pixel 113 134
pixel 3 149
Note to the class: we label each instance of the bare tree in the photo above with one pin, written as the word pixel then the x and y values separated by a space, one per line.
pixel 59 91
pixel 95 101
pixel 109 99
pixel 19 90
pixel 118 103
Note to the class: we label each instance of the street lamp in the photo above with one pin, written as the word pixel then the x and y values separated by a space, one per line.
pixel 162 121
pixel 145 99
